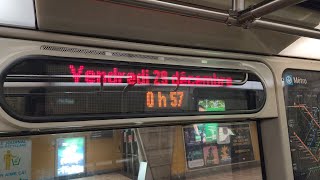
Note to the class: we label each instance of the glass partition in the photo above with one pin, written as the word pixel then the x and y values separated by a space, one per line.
pixel 196 151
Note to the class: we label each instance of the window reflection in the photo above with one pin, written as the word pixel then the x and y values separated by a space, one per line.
pixel 195 151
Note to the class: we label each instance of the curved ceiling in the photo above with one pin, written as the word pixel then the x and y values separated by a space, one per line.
pixel 118 21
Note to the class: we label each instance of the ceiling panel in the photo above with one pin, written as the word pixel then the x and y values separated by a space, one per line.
pixel 116 21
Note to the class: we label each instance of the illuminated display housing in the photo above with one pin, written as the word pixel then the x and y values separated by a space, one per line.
pixel 42 89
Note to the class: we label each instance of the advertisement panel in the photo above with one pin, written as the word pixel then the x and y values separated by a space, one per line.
pixel 195 157
pixel 15 162
pixel 214 144
pixel 211 155
pixel 70 156
pixel 206 132
pixel 241 145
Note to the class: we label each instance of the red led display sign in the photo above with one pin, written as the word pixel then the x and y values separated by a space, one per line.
pixel 64 89
pixel 145 76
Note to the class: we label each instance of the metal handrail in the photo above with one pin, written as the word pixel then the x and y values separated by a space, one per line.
pixel 52 77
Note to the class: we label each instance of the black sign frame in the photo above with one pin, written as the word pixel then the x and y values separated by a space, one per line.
pixel 68 118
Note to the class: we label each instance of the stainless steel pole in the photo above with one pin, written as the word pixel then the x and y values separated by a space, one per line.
pixel 238 5
pixel 265 9
pixel 179 9
pixel 288 29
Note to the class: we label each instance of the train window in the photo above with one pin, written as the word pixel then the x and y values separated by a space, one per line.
pixel 39 88
pixel 230 151
pixel 301 92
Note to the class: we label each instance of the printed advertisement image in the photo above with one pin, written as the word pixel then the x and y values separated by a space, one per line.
pixel 211 155
pixel 199 132
pixel 224 135
pixel 15 162
pixel 241 145
pixel 225 154
pixel 195 156
pixel 206 132
pixel 70 156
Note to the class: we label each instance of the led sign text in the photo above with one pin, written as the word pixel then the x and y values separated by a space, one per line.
pixel 164 99
pixel 145 76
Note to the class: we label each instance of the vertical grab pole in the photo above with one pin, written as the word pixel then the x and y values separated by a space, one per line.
pixel 237 5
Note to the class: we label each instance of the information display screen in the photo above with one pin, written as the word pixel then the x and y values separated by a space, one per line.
pixel 45 87
pixel 70 156
pixel 215 144
pixel 302 98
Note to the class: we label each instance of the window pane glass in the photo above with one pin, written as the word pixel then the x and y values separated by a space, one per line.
pixel 301 90
pixel 199 151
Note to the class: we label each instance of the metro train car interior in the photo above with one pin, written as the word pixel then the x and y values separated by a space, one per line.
pixel 159 89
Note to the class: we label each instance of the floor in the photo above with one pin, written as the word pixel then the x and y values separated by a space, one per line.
pixel 111 176
pixel 244 174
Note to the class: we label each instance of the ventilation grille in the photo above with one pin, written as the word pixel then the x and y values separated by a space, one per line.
pixel 74 50
pixel 138 56
pixel 109 53
pixel 177 59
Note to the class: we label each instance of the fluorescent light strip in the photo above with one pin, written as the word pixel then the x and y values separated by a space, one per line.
pixel 18 13
pixel 303 47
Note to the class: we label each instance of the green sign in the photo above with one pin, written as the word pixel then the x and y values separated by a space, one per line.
pixel 206 132
pixel 211 130
pixel 212 105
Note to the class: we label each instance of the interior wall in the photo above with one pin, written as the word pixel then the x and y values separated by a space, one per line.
pixel 43 157
pixel 254 140
pixel 178 165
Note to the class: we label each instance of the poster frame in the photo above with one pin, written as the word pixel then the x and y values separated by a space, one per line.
pixel 83 174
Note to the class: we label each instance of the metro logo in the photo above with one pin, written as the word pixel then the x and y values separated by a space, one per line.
pixel 145 76
pixel 298 80
pixel 291 80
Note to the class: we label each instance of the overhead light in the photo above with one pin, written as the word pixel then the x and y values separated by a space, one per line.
pixel 303 47
pixel 20 13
